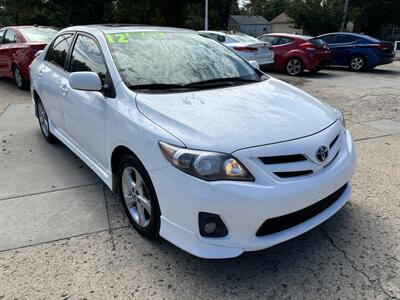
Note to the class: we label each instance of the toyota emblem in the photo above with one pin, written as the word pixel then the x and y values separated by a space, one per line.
pixel 322 153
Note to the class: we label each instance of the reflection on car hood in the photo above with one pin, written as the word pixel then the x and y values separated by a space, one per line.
pixel 228 119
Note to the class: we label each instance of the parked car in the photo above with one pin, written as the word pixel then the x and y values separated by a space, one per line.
pixel 358 51
pixel 18 46
pixel 397 48
pixel 204 150
pixel 248 47
pixel 295 53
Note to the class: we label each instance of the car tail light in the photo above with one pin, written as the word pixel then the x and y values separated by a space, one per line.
pixel 245 49
pixel 381 46
pixel 309 46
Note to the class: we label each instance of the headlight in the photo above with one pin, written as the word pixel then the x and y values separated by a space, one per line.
pixel 341 118
pixel 205 165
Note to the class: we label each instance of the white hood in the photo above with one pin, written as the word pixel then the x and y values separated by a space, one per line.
pixel 232 118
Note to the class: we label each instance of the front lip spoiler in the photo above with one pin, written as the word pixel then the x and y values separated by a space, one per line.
pixel 284 141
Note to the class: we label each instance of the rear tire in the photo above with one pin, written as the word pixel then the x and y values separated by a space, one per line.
pixel 44 124
pixel 294 66
pixel 138 196
pixel 357 63
pixel 19 79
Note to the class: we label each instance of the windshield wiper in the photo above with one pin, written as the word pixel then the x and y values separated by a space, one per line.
pixel 157 86
pixel 221 81
pixel 193 85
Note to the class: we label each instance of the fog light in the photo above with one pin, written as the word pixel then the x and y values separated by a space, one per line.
pixel 211 225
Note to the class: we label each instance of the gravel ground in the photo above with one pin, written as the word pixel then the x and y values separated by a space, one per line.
pixel 86 248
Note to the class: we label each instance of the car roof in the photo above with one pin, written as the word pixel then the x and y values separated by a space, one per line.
pixel 24 26
pixel 224 33
pixel 299 36
pixel 116 28
pixel 359 35
pixel 345 33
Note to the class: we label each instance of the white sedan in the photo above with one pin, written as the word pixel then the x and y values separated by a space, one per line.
pixel 204 150
pixel 248 47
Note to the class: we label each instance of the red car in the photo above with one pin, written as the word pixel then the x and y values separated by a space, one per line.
pixel 18 46
pixel 295 53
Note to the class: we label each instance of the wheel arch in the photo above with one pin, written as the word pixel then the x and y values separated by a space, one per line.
pixel 116 155
pixel 36 99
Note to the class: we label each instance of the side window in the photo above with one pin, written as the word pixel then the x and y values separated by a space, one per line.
pixel 221 38
pixel 274 40
pixel 285 40
pixel 57 54
pixel 9 37
pixel 1 36
pixel 329 39
pixel 345 39
pixel 86 56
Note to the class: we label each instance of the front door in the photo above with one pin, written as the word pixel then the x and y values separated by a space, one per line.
pixel 85 110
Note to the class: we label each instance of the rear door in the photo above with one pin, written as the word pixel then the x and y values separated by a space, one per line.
pixel 51 73
pixel 281 46
pixel 2 32
pixel 343 48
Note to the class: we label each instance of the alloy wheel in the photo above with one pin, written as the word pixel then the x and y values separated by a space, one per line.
pixel 293 66
pixel 43 120
pixel 357 63
pixel 18 77
pixel 136 196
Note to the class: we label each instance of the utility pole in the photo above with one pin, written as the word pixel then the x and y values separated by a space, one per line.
pixel 206 16
pixel 346 6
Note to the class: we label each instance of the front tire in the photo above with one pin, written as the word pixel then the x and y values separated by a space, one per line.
pixel 357 63
pixel 19 79
pixel 138 196
pixel 44 124
pixel 294 66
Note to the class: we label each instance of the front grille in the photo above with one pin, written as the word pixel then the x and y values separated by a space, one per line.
pixel 280 223
pixel 333 142
pixel 282 159
pixel 293 173
pixel 296 165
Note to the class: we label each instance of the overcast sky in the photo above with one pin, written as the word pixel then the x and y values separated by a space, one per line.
pixel 242 2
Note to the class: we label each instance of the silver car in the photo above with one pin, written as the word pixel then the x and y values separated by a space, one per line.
pixel 248 47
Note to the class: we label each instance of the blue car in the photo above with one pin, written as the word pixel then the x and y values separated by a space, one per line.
pixel 358 51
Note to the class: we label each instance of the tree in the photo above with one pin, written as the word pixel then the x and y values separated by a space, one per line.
pixel 371 15
pixel 269 9
pixel 316 16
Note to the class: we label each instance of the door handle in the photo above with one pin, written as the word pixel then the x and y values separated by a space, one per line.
pixel 40 73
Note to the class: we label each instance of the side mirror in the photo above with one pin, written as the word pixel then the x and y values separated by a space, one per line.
pixel 37 54
pixel 85 81
pixel 254 64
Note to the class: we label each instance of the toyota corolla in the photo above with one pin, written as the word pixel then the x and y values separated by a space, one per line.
pixel 203 149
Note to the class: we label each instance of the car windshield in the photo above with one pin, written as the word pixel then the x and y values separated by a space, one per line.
pixel 174 58
pixel 244 38
pixel 38 34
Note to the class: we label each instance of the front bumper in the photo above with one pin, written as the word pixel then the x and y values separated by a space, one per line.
pixel 244 206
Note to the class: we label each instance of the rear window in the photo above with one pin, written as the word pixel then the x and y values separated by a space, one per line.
pixel 371 39
pixel 317 41
pixel 244 38
pixel 38 34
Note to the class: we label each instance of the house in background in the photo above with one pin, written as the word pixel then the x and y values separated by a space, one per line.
pixel 251 25
pixel 284 24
